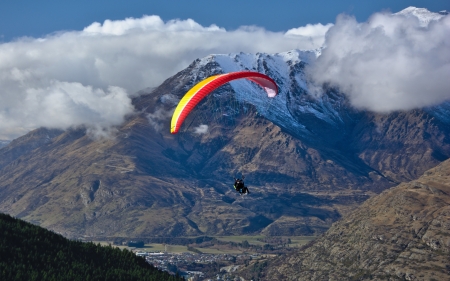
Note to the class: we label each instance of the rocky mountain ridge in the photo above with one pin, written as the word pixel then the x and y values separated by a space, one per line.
pixel 3 143
pixel 401 234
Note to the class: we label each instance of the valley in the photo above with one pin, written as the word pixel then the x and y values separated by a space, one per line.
pixel 215 256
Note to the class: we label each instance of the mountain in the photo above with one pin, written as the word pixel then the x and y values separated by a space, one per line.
pixel 307 160
pixel 3 143
pixel 29 252
pixel 401 234
pixel 26 144
pixel 423 15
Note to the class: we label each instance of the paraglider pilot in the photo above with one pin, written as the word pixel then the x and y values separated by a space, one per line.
pixel 240 187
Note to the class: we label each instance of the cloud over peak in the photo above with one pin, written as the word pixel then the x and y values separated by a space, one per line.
pixel 65 79
pixel 87 77
pixel 391 62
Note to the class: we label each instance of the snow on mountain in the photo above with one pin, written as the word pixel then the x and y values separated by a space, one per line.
pixel 440 112
pixel 294 108
pixel 276 66
pixel 292 101
pixel 424 16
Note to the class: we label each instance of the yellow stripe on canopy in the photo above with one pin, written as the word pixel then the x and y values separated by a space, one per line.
pixel 187 97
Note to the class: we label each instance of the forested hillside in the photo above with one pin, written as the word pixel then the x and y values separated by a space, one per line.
pixel 29 252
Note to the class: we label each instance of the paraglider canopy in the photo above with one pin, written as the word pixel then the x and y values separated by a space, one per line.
pixel 205 87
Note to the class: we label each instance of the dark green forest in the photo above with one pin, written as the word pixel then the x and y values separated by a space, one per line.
pixel 29 252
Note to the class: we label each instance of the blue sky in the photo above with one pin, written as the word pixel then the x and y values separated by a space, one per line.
pixel 38 18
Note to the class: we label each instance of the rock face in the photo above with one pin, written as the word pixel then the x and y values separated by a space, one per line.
pixel 401 234
pixel 307 161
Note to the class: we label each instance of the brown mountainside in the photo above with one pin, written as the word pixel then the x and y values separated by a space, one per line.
pixel 401 234
pixel 144 181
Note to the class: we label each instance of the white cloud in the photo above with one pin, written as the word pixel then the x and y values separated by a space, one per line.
pixel 86 77
pixel 157 118
pixel 60 105
pixel 147 23
pixel 391 62
pixel 202 129
pixel 315 33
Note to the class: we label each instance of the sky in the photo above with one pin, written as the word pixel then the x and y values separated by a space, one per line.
pixel 70 63
pixel 40 18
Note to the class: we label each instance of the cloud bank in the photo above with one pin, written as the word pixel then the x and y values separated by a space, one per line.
pixel 87 77
pixel 391 62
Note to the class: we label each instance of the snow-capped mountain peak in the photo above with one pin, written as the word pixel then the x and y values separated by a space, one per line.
pixel 293 108
pixel 287 69
pixel 423 15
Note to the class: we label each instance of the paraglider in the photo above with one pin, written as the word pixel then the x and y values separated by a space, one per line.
pixel 205 87
pixel 240 187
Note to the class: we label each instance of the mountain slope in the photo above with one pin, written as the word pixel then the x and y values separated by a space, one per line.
pixel 307 160
pixel 403 233
pixel 3 143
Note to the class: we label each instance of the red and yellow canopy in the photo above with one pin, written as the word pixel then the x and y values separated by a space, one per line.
pixel 203 88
